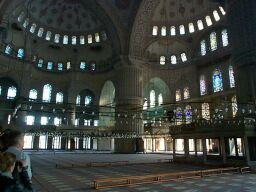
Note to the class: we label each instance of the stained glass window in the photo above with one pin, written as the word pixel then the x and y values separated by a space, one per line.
pixel 26 22
pixel 203 89
pixel 20 53
pixel 50 65
pixel 203 47
pixel 163 31
pixel 173 31
pixel 208 20
pixel 11 93
pixel 188 114
pixel 191 28
pixel 200 25
pixel 8 49
pixel 21 16
pixel 90 39
pixel 162 60
pixel 178 116
pixel 178 95
pixel 59 97
pixel 222 10
pixel 213 41
pixel 231 77
pixel 145 105
pixel 40 63
pixel 68 65
pixel 173 59
pixel 60 66
pixel 32 94
pixel 93 66
pixel 152 97
pixel 234 106
pixel 47 92
pixel 160 99
pixel 155 30
pixel 186 93
pixel 97 37
pixel 87 100
pixel 32 28
pixel 224 36
pixel 206 111
pixel 217 81
pixel 82 65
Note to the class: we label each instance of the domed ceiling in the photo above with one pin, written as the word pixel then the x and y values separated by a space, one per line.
pixel 65 15
pixel 182 10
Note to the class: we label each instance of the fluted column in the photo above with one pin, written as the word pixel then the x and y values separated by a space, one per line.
pixel 129 89
pixel 242 26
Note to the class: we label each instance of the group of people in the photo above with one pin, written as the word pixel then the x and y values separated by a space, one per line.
pixel 15 166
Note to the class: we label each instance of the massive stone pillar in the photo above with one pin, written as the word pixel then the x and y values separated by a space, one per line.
pixel 129 89
pixel 242 28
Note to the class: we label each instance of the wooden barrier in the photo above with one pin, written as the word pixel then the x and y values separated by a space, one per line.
pixel 245 170
pixel 165 160
pixel 133 180
pixel 92 164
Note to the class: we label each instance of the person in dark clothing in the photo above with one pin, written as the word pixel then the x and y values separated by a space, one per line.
pixel 8 183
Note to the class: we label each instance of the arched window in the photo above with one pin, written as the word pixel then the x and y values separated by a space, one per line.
pixel 48 35
pixel 73 40
pixel 32 94
pixel 40 32
pixel 21 16
pixel 8 49
pixel 40 63
pixel 12 92
pixel 200 25
pixel 213 41
pixel 87 100
pixel 223 12
pixel 217 81
pixel 188 114
pixel 203 89
pixel 59 97
pixel 186 93
pixel 50 65
pixel 224 37
pixel 32 28
pixel 60 66
pixel 178 116
pixel 206 111
pixel 26 22
pixel 182 30
pixel 97 37
pixel 162 60
pixel 178 95
pixel 82 65
pixel 173 59
pixel 203 47
pixel 208 20
pixel 47 93
pixel 231 77
pixel 104 36
pixel 216 15
pixel 57 38
pixel 57 121
pixel 68 65
pixel 173 31
pixel 152 97
pixel 160 99
pixel 0 90
pixel 65 39
pixel 145 105
pixel 82 40
pixel 191 28
pixel 183 57
pixel 93 66
pixel 155 30
pixel 234 106
pixel 78 100
pixel 20 53
pixel 89 39
pixel 163 31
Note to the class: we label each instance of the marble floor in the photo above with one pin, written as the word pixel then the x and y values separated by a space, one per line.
pixel 49 178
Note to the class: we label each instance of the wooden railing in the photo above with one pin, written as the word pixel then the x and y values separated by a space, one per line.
pixel 92 164
pixel 133 180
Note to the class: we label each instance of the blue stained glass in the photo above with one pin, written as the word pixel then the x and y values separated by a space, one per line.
pixel 20 53
pixel 217 81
